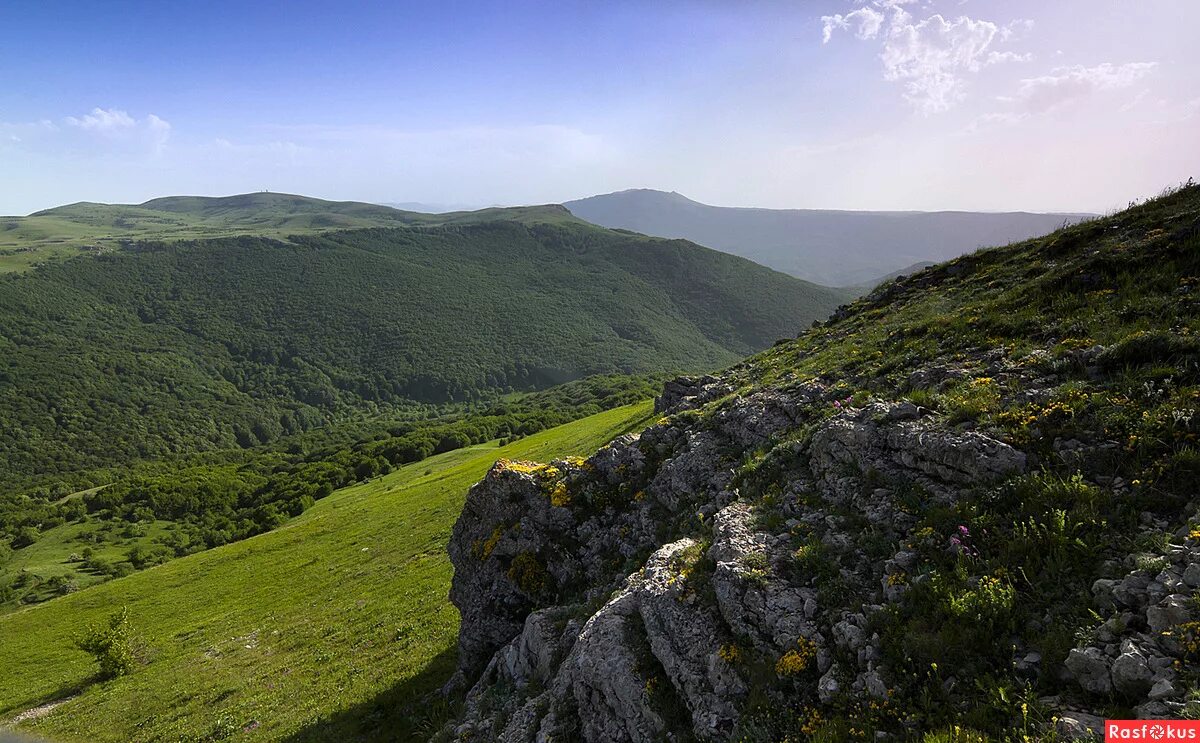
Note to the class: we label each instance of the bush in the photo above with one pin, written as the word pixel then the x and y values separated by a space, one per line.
pixel 25 536
pixel 111 644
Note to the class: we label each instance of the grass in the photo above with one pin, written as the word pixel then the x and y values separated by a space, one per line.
pixel 288 635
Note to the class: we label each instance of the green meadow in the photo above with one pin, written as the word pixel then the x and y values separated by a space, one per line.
pixel 332 627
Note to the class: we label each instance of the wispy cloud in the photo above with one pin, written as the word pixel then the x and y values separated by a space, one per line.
pixel 1064 85
pixel 931 56
pixel 1062 88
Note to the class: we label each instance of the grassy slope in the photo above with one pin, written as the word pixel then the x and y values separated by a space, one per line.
pixel 69 230
pixel 285 629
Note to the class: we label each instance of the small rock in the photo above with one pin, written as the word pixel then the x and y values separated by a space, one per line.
pixel 1172 611
pixel 828 687
pixel 1079 726
pixel 1090 669
pixel 1131 590
pixel 810 608
pixel 1102 593
pixel 905 411
pixel 1162 689
pixel 1152 711
pixel 874 685
pixel 1191 575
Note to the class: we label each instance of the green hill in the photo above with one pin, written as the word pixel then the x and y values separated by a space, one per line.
pixel 171 346
pixel 89 228
pixel 327 629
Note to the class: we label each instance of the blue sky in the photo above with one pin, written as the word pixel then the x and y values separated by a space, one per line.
pixel 878 104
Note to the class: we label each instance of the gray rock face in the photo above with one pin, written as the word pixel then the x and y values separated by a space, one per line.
pixel 640 594
pixel 507 520
pixel 685 393
pixel 753 598
pixel 611 675
pixel 903 446
pixel 1170 612
pixel 603 677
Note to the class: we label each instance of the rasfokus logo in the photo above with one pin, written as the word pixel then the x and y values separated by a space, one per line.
pixel 1151 730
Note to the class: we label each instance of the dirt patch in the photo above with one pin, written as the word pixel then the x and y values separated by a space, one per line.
pixel 37 712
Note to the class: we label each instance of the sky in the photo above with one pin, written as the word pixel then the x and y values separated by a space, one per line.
pixel 1071 105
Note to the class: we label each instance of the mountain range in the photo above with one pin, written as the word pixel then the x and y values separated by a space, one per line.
pixel 830 247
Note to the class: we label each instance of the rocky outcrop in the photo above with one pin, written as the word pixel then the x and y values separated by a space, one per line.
pixel 686 393
pixel 647 591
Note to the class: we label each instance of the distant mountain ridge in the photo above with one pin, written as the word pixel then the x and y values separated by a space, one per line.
pixel 831 247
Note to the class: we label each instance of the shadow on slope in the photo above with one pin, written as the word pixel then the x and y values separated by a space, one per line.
pixel 412 710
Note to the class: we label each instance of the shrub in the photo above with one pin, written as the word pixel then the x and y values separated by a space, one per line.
pixel 25 536
pixel 989 602
pixel 111 645
pixel 971 400
pixel 1150 347
pixel 529 574
pixel 797 660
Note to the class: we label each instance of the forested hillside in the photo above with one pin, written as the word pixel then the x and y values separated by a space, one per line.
pixel 197 345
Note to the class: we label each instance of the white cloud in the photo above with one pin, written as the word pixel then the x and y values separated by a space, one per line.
pixel 932 56
pixel 826 148
pixel 869 22
pixel 1067 84
pixel 102 131
pixel 998 57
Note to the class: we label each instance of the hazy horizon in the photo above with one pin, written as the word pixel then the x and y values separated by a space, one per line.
pixel 872 105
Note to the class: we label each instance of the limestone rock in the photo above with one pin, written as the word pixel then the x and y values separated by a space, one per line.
pixel 1090 669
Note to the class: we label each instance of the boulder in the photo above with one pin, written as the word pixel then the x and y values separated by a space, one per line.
pixel 1131 673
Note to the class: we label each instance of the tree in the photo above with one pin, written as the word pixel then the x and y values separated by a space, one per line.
pixel 111 644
